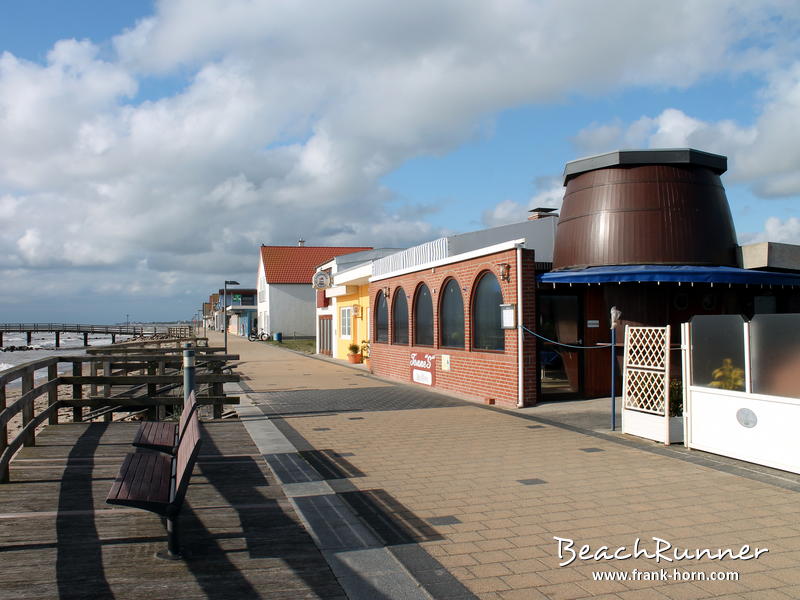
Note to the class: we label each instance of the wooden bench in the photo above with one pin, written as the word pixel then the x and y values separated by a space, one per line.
pixel 157 482
pixel 164 436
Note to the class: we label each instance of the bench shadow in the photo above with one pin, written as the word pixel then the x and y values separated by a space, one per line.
pixel 79 559
pixel 266 532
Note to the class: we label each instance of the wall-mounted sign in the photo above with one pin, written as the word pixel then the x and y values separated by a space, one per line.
pixel 592 323
pixel 423 368
pixel 445 362
pixel 321 280
pixel 508 316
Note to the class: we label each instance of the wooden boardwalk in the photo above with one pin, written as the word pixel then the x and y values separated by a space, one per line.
pixel 59 539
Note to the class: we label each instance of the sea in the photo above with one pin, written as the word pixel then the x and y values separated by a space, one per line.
pixel 44 345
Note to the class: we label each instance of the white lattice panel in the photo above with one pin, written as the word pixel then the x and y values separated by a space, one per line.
pixel 645 374
pixel 647 347
pixel 645 391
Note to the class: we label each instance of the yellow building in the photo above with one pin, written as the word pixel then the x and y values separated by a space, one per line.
pixel 343 311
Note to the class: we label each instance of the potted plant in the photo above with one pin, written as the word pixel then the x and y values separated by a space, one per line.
pixel 354 355
pixel 365 352
pixel 728 376
pixel 675 410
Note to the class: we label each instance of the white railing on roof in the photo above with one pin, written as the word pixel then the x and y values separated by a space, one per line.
pixel 418 255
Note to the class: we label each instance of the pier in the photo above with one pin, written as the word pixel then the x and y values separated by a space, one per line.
pixel 58 328
pixel 242 537
pixel 141 378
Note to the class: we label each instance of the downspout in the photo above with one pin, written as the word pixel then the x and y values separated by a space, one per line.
pixel 520 332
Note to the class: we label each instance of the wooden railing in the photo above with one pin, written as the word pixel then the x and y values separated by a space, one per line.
pixel 155 344
pixel 129 380
pixel 73 328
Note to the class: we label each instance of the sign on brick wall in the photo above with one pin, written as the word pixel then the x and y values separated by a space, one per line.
pixel 423 368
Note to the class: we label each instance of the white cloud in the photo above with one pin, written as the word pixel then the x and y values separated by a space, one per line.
pixel 550 194
pixel 293 111
pixel 764 155
pixel 777 230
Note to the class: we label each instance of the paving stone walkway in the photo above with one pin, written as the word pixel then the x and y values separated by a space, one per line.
pixel 466 500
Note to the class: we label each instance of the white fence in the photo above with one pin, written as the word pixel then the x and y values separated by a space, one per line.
pixel 742 388
pixel 417 255
pixel 645 395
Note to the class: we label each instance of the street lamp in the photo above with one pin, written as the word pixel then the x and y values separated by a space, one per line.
pixel 225 309
pixel 616 314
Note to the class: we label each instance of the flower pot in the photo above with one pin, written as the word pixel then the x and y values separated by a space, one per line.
pixel 354 359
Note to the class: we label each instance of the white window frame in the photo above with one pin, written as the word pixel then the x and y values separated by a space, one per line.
pixel 346 322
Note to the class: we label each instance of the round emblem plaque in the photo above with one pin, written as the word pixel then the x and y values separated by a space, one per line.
pixel 321 280
pixel 746 417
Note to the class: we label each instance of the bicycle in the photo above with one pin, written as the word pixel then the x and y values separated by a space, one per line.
pixel 262 336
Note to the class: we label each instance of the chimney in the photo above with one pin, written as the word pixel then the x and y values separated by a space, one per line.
pixel 301 242
pixel 541 212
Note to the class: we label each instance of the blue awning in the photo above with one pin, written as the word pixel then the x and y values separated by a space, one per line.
pixel 678 273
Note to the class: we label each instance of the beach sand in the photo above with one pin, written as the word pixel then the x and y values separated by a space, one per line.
pixel 64 413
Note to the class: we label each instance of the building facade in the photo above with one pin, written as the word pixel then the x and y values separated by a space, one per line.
pixel 343 313
pixel 286 301
pixel 447 314
pixel 520 314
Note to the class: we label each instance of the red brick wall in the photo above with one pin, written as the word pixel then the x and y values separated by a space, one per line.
pixel 478 374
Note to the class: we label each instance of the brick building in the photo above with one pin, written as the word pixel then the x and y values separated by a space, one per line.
pixel 437 312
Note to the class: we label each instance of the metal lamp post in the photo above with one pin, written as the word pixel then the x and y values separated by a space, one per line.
pixel 225 309
pixel 615 316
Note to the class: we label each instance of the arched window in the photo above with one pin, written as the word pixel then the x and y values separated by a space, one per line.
pixel 400 318
pixel 423 317
pixel 381 318
pixel 451 316
pixel 486 331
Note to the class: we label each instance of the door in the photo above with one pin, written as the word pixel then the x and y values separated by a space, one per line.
pixel 560 366
pixel 325 334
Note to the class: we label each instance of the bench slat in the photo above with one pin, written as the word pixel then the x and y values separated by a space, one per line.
pixel 184 462
pixel 123 469
pixel 143 482
pixel 156 435
pixel 164 436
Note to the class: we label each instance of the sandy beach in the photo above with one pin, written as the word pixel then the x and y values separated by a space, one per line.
pixel 40 404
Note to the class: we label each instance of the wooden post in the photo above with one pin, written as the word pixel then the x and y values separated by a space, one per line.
pixel 27 409
pixel 52 394
pixel 217 390
pixel 161 411
pixel 58 339
pixel 152 391
pixel 3 434
pixel 85 339
pixel 77 392
pixel 29 337
pixel 113 338
pixel 93 372
pixel 107 373
pixel 107 389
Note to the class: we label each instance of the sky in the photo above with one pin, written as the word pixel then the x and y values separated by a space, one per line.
pixel 147 148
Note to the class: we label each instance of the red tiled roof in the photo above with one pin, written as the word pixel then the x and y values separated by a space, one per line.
pixel 297 264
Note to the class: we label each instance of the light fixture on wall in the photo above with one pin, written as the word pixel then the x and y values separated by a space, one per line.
pixel 505 272
pixel 386 291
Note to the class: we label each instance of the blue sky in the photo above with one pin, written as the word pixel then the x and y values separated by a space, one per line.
pixel 149 147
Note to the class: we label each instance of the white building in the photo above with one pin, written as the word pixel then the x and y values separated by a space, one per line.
pixel 286 300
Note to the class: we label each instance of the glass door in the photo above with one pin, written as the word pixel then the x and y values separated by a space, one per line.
pixel 560 368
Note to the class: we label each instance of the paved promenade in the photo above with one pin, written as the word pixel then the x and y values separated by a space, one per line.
pixel 412 494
